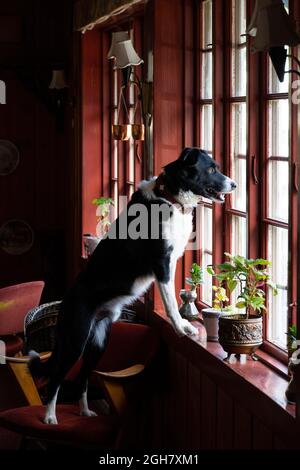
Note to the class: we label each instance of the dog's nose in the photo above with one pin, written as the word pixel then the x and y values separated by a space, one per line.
pixel 233 184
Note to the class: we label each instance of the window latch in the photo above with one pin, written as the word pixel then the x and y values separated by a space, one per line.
pixel 254 175
pixel 293 305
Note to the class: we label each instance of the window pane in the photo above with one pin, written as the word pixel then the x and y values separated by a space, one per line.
pixel 238 156
pixel 206 88
pixel 239 236
pixel 278 190
pixel 207 128
pixel 207 24
pixel 238 245
pixel 238 21
pixel 277 306
pixel 239 72
pixel 239 55
pixel 278 128
pixel 206 231
pixel 275 86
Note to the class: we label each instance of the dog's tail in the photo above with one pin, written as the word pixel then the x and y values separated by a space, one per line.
pixel 38 368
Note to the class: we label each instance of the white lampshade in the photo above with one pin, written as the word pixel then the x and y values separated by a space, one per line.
pixel 271 26
pixel 58 81
pixel 126 55
pixel 116 37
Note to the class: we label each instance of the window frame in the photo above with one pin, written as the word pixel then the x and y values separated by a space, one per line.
pixel 256 102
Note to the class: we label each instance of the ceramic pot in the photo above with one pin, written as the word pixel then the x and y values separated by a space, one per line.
pixel 240 335
pixel 188 308
pixel 121 131
pixel 211 322
pixel 90 243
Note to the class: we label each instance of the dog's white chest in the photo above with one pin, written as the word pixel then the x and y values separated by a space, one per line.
pixel 177 230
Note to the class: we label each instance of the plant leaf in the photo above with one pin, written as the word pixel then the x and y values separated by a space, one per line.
pixel 231 283
pixel 210 270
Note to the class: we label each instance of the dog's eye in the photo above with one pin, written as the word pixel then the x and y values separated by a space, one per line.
pixel 211 170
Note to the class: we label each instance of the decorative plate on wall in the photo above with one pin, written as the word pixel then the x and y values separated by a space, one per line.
pixel 16 237
pixel 9 157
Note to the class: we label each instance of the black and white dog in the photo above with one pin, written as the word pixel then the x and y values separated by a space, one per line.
pixel 142 246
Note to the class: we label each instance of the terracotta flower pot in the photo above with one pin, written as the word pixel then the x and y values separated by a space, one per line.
pixel 240 335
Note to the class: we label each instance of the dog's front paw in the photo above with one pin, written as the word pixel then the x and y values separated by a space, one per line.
pixel 50 419
pixel 185 328
pixel 88 413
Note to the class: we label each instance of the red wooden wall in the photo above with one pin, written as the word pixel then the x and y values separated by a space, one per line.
pixel 173 94
pixel 35 37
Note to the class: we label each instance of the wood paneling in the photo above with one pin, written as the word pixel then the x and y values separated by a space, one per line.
pixel 242 428
pixel 262 436
pixel 173 96
pixel 35 38
pixel 208 404
pixel 91 119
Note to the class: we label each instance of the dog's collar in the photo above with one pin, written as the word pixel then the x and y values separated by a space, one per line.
pixel 161 190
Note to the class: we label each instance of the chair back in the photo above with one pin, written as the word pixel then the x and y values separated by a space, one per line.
pixel 15 302
pixel 129 344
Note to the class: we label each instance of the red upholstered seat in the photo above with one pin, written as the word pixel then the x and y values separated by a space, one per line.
pixel 13 344
pixel 16 302
pixel 72 428
pixel 129 345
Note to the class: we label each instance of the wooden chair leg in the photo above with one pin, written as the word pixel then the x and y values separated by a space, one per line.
pixel 26 383
pixel 115 393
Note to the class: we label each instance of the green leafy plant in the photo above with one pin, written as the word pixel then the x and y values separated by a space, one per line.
pixel 291 339
pixel 103 204
pixel 249 276
pixel 103 200
pixel 196 276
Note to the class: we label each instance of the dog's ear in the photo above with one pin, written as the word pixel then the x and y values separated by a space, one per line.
pixel 189 156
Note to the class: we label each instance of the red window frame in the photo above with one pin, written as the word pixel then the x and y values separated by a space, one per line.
pixel 256 149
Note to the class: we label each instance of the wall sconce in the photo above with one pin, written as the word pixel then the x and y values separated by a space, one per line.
pixel 272 29
pixel 125 58
pixel 59 87
pixel 58 81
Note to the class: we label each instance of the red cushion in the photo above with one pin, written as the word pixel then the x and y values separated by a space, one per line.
pixel 72 428
pixel 13 344
pixel 16 302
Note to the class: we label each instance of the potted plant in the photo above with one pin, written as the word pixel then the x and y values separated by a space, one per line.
pixel 241 333
pixel 188 308
pixel 103 223
pixel 212 314
pixel 290 392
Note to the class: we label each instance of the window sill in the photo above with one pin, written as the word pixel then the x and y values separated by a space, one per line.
pixel 210 356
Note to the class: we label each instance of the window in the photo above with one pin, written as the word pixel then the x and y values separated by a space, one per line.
pixel 276 217
pixel 259 153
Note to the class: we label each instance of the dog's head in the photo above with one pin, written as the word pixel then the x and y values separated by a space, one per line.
pixel 197 172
